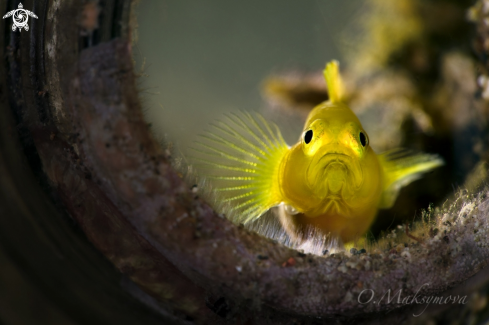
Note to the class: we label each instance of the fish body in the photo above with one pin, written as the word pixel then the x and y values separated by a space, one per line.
pixel 331 180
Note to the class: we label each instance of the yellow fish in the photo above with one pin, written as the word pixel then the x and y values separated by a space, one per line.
pixel 331 180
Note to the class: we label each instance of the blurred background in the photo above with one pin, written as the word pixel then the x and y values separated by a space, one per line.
pixel 199 60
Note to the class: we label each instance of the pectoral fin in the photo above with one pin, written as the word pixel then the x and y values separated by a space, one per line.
pixel 401 167
pixel 239 159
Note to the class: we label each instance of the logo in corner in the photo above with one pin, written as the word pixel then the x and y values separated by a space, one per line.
pixel 20 17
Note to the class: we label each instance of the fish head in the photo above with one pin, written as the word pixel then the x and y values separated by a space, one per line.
pixel 332 170
pixel 334 143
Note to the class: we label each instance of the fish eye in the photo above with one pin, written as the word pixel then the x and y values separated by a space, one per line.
pixel 363 139
pixel 308 136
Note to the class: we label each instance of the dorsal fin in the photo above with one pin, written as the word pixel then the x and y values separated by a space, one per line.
pixel 333 81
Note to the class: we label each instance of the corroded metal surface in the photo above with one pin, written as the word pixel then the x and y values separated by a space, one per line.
pixel 135 174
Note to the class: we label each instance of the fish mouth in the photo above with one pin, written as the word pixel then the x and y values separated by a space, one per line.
pixel 336 176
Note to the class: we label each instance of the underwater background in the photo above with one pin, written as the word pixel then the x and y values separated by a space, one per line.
pixel 199 60
pixel 401 62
